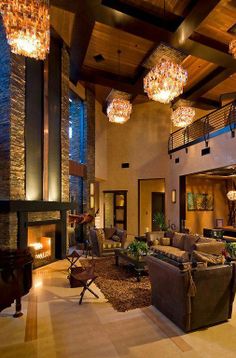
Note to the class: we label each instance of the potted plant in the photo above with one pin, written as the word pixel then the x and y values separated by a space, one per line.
pixel 231 249
pixel 159 220
pixel 138 248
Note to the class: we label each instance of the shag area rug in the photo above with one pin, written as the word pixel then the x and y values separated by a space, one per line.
pixel 119 285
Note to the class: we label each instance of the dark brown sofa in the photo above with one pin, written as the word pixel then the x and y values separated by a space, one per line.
pixel 207 301
pixel 104 241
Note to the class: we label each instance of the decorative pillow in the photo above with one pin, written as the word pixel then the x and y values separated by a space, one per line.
pixel 208 258
pixel 100 234
pixel 153 243
pixel 178 240
pixel 115 238
pixel 165 241
pixel 119 233
pixel 109 231
pixel 189 241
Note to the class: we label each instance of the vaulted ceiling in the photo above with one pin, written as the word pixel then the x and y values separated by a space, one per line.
pixel 95 30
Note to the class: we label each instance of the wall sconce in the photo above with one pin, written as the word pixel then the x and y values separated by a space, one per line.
pixel 92 200
pixel 173 196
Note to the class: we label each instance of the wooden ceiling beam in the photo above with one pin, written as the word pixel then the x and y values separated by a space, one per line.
pixel 108 79
pixel 169 21
pixel 206 84
pixel 67 5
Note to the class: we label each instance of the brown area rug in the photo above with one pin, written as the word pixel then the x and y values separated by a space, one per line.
pixel 119 285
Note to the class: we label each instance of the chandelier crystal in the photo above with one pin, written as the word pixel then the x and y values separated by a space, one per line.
pixel 27 26
pixel 231 195
pixel 232 48
pixel 183 116
pixel 119 110
pixel 165 81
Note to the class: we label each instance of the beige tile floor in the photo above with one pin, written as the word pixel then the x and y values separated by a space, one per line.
pixel 54 325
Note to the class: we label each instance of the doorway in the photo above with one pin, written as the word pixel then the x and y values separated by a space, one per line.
pixel 115 209
pixel 151 195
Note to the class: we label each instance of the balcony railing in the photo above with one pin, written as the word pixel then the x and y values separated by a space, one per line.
pixel 217 122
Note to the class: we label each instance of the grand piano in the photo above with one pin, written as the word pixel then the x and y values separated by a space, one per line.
pixel 15 277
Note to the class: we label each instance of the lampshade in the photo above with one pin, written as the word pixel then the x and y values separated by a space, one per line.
pixel 165 81
pixel 182 116
pixel 119 110
pixel 27 26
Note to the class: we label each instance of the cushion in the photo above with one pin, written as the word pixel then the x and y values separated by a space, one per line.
pixel 205 240
pixel 165 241
pixel 109 244
pixel 154 235
pixel 178 240
pixel 214 248
pixel 120 233
pixel 115 238
pixel 172 252
pixel 109 231
pixel 208 258
pixel 100 234
pixel 189 241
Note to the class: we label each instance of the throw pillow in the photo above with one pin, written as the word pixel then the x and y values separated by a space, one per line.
pixel 209 259
pixel 189 241
pixel 165 241
pixel 119 233
pixel 100 235
pixel 115 238
pixel 109 231
pixel 178 240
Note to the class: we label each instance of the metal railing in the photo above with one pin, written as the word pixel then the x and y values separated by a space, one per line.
pixel 211 125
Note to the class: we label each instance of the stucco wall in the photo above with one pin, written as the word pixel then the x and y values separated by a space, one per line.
pixel 101 123
pixel 142 142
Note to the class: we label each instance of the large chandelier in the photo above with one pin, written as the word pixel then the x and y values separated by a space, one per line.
pixel 165 81
pixel 27 26
pixel 119 110
pixel 182 116
pixel 232 48
pixel 231 195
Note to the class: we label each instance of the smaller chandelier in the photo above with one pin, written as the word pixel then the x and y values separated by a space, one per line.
pixel 119 110
pixel 27 26
pixel 165 81
pixel 232 48
pixel 231 195
pixel 182 116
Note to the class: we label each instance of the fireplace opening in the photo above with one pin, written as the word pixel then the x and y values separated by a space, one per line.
pixel 41 240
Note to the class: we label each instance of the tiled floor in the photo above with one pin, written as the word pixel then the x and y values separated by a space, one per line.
pixel 54 325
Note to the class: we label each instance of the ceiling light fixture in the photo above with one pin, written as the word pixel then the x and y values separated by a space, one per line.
pixel 183 116
pixel 232 48
pixel 119 110
pixel 165 81
pixel 27 26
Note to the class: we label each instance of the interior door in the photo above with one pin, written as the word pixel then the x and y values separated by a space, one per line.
pixel 158 205
pixel 115 209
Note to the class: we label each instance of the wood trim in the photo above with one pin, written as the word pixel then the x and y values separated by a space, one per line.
pixel 76 169
pixel 31 327
pixel 45 133
pixel 182 199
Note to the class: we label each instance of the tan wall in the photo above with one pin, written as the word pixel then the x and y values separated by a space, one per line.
pixel 142 142
pixel 222 154
pixel 100 143
pixel 146 189
pixel 197 220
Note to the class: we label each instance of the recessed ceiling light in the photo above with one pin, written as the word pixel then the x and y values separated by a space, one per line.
pixel 99 58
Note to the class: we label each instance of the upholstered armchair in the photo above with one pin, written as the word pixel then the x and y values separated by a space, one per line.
pixel 104 241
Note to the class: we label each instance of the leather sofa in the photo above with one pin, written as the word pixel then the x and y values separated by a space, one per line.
pixel 192 298
pixel 104 241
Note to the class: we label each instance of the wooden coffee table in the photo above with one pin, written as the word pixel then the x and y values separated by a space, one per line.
pixel 139 263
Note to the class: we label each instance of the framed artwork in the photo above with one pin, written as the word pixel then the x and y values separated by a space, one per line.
pixel 219 223
pixel 200 202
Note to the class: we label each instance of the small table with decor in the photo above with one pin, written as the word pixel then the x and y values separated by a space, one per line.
pixel 138 262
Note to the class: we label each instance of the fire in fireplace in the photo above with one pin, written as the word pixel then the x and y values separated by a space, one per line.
pixel 41 240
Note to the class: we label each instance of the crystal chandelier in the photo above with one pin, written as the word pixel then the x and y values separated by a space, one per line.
pixel 119 110
pixel 27 26
pixel 231 195
pixel 182 116
pixel 232 48
pixel 165 81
